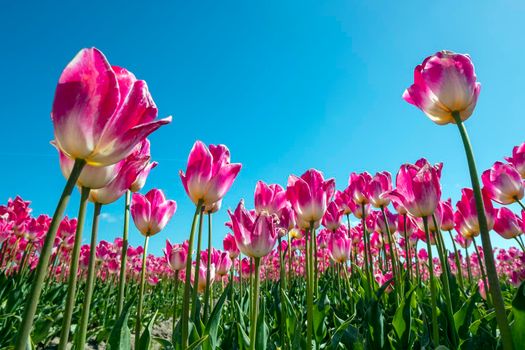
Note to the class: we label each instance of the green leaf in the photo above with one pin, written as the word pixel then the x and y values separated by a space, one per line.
pixel 261 332
pixel 145 338
pixel 463 317
pixel 518 311
pixel 120 336
pixel 403 319
pixel 215 317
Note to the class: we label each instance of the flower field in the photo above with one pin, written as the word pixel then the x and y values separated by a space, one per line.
pixel 375 262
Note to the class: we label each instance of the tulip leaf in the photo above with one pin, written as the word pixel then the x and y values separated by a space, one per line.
pixel 215 317
pixel 145 338
pixel 403 319
pixel 261 332
pixel 463 317
pixel 120 336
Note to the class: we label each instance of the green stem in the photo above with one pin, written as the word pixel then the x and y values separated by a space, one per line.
pixel 187 284
pixel 458 262
pixel 368 266
pixel 208 273
pixel 255 304
pixel 83 324
pixel 175 295
pixel 315 270
pixel 482 269
pixel 309 295
pixel 446 271
pixel 195 292
pixel 435 329
pixel 73 272
pixel 41 269
pixel 520 243
pixel 520 203
pixel 138 325
pixel 123 256
pixel 393 256
pixel 408 259
pixel 469 271
pixel 494 287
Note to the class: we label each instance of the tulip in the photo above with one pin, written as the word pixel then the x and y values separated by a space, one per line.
pixel 340 247
pixel 101 112
pixel 151 213
pixel 466 217
pixel 445 88
pixel 507 224
pixel 255 235
pixel 443 84
pixel 309 196
pixel 503 183
pixel 357 187
pixel 447 215
pixel 176 255
pixel 209 174
pixel 224 264
pixel 332 217
pixel 380 185
pixel 518 159
pixel 271 198
pixel 344 201
pixel 230 245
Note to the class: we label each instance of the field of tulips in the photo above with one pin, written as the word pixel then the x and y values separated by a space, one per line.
pixel 377 264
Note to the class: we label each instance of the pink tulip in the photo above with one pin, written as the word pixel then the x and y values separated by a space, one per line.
pixel 417 188
pixel 309 196
pixel 101 112
pixel 332 217
pixel 271 198
pixel 447 215
pixel 340 247
pixel 286 219
pixel 152 212
pixel 142 154
pixel 503 183
pixel 357 187
pixel 466 216
pixel 444 83
pixel 230 246
pixel 209 174
pixel 508 225
pixel 176 255
pixel 463 241
pixel 391 221
pixel 255 234
pixel 202 276
pixel 518 159
pixel 380 185
pixel 344 201
pixel 224 264
pixel 213 207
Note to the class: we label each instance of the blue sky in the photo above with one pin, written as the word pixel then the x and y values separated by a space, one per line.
pixel 286 85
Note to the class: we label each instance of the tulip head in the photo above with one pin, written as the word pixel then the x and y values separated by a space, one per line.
pixel 176 255
pixel 378 187
pixel 309 196
pixel 518 159
pixel 466 216
pixel 507 224
pixel 357 187
pixel 503 183
pixel 209 173
pixel 444 83
pixel 332 217
pixel 340 247
pixel 230 246
pixel 418 188
pixel 152 212
pixel 255 234
pixel 271 198
pixel 101 112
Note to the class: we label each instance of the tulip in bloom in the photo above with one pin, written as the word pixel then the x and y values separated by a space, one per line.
pixel 209 174
pixel 380 185
pixel 447 215
pixel 176 255
pixel 358 186
pixel 508 225
pixel 271 198
pixel 417 188
pixel 230 246
pixel 255 234
pixel 223 264
pixel 503 183
pixel 332 217
pixel 518 159
pixel 340 247
pixel 444 83
pixel 100 112
pixel 466 216
pixel 152 212
pixel 309 196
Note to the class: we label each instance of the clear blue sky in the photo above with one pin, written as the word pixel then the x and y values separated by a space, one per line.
pixel 287 85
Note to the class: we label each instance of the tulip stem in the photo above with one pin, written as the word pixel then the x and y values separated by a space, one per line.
pixel 494 286
pixel 187 284
pixel 520 203
pixel 123 256
pixel 435 329
pixel 393 255
pixel 195 293
pixel 469 271
pixel 408 259
pixel 83 324
pixel 175 295
pixel 368 261
pixel 458 262
pixel 73 271
pixel 520 244
pixel 255 305
pixel 138 324
pixel 309 292
pixel 45 253
pixel 208 274
pixel 481 267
